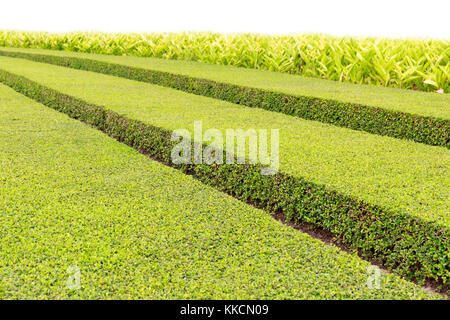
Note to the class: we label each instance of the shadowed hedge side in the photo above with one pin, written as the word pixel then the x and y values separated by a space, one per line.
pixel 407 245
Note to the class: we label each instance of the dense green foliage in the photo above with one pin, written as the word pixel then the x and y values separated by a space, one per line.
pixel 381 121
pixel 411 63
pixel 408 245
pixel 397 174
pixel 421 103
pixel 71 196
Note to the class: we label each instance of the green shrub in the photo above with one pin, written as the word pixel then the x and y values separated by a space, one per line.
pixel 411 247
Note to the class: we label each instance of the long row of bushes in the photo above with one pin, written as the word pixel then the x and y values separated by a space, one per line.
pixel 410 246
pixel 405 63
pixel 428 130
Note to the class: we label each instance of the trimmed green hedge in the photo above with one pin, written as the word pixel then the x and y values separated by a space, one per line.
pixel 428 130
pixel 407 245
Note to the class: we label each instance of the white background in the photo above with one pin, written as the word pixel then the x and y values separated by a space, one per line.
pixel 388 18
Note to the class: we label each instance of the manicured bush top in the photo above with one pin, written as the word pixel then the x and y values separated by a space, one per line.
pixel 410 246
pixel 138 229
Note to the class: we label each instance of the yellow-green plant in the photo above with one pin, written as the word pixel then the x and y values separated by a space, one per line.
pixel 404 63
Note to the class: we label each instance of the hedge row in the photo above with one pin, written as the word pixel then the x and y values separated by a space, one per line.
pixel 407 245
pixel 428 130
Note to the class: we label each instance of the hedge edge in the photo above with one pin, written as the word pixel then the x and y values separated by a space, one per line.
pixel 401 125
pixel 409 246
